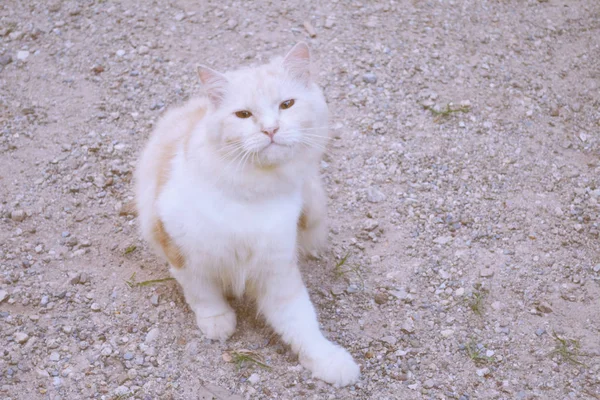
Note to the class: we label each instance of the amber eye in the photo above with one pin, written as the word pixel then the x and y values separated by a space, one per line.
pixel 286 104
pixel 243 114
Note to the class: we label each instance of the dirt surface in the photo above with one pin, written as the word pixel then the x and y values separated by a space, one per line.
pixel 464 260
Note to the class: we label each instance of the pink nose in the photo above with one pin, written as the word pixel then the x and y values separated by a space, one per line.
pixel 270 132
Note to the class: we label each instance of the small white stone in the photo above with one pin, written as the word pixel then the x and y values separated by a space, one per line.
pixel 22 55
pixel 21 337
pixel 254 379
pixel 447 332
pixel 120 53
pixel 152 335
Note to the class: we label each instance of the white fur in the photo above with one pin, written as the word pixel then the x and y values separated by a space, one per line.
pixel 233 209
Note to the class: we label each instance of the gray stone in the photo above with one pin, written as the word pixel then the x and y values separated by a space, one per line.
pixel 486 273
pixel 155 299
pixel 3 295
pixel 374 195
pixel 95 307
pixel 128 356
pixel 442 240
pixel 5 60
pixel 369 77
pixel 408 325
pixel 389 340
pixel 352 288
pixel 54 356
pixel 540 331
pixel 428 384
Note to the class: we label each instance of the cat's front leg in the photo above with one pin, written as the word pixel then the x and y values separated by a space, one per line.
pixel 285 303
pixel 214 316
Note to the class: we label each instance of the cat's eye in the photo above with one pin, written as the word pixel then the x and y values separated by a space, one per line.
pixel 287 104
pixel 243 114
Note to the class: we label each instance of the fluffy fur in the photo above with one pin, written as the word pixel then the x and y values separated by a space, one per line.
pixel 230 201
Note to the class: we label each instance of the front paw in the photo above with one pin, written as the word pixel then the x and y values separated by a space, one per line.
pixel 219 327
pixel 334 365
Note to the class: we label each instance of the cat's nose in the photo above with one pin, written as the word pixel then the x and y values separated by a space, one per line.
pixel 270 132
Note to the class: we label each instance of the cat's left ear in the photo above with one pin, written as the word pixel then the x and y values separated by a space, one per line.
pixel 297 63
pixel 215 84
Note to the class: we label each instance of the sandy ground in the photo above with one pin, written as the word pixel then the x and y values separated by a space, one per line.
pixel 464 187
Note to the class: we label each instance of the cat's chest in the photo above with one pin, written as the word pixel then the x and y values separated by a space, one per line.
pixel 210 215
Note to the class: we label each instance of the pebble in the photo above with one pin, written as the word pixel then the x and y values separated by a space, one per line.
pixel 95 307
pixel 22 55
pixel 374 195
pixel 329 22
pixel 74 278
pixel 428 384
pixel 54 356
pixel 152 335
pixel 544 307
pixel 128 356
pixel 17 215
pixel 352 288
pixel 483 372
pixel 380 298
pixel 369 77
pixel 447 332
pixel 400 294
pixel 459 292
pixel 44 300
pixel 3 295
pixel 389 340
pixel 21 337
pixel 154 300
pixel 442 240
pixel 120 53
pixel 143 50
pixel 540 331
pixel 408 325
pixel 121 391
pixel 5 60
pixel 496 305
pixel 486 273
pixel 254 379
pixel 231 24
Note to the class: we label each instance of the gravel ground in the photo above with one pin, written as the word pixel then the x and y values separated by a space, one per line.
pixel 464 187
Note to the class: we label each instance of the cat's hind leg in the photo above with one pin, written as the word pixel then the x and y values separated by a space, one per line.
pixel 284 302
pixel 312 224
pixel 214 316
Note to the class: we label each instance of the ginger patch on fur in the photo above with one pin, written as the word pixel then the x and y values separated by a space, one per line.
pixel 171 250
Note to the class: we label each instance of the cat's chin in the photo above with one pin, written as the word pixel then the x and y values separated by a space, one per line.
pixel 273 155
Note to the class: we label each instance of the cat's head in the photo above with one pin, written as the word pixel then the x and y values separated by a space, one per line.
pixel 268 115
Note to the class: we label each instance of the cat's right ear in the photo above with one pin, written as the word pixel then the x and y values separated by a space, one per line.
pixel 214 83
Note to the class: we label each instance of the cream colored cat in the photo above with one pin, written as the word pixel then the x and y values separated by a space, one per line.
pixel 228 191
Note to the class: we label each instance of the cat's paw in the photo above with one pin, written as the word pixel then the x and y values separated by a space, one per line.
pixel 334 365
pixel 220 327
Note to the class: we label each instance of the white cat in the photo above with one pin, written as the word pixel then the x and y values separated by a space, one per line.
pixel 228 191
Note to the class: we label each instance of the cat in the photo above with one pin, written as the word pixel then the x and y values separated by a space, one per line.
pixel 228 191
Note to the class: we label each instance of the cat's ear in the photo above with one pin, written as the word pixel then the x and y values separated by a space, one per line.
pixel 297 62
pixel 214 83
